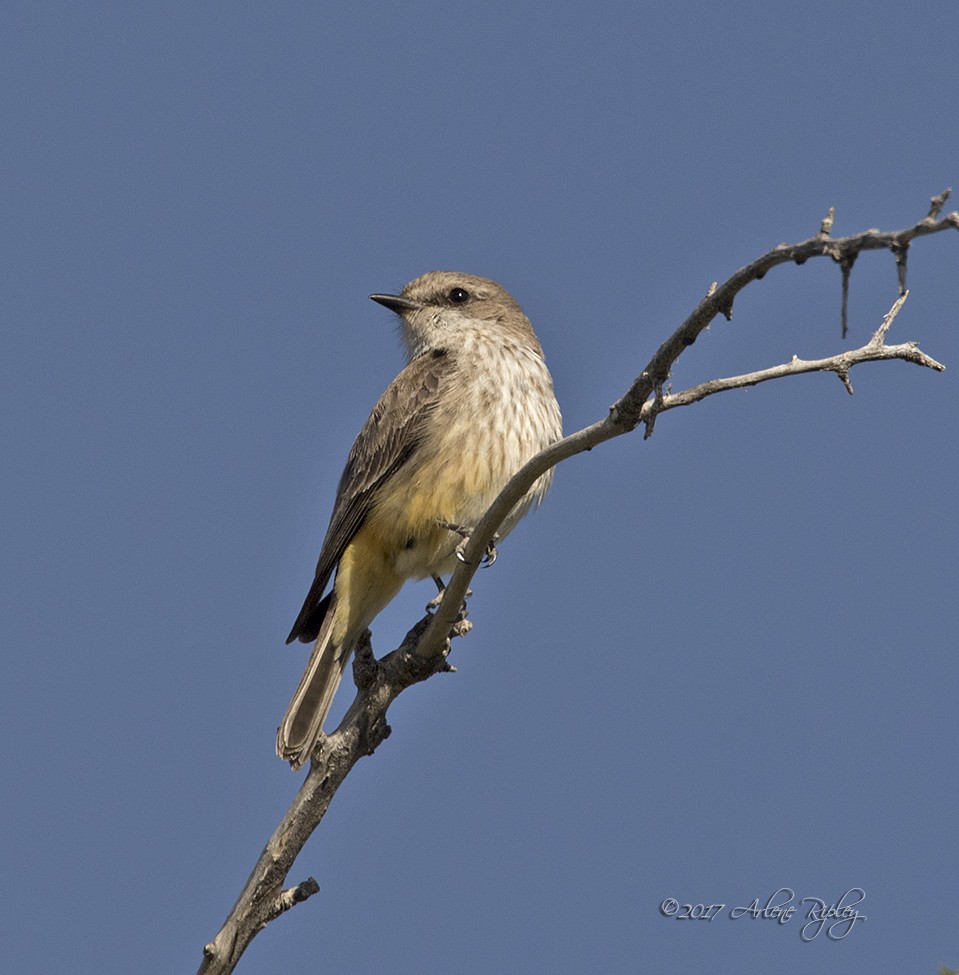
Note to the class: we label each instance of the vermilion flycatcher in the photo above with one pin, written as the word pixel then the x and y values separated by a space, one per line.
pixel 474 403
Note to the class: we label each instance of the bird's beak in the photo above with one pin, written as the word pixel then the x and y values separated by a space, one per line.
pixel 397 303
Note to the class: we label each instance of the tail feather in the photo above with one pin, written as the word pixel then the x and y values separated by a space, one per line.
pixel 301 726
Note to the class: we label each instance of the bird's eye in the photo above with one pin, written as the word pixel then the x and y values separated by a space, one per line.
pixel 458 296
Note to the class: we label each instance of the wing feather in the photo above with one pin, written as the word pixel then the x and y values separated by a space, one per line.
pixel 383 446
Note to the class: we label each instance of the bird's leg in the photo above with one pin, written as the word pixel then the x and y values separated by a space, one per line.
pixel 488 559
pixel 438 598
pixel 460 530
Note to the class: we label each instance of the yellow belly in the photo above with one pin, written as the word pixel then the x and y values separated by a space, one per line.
pixel 463 460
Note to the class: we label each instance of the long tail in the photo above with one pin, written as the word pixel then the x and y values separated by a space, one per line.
pixel 303 721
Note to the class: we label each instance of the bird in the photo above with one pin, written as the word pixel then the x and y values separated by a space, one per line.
pixel 473 404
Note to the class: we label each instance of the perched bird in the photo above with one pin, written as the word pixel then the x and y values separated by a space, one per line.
pixel 474 403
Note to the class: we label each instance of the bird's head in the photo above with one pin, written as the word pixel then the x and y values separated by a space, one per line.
pixel 440 308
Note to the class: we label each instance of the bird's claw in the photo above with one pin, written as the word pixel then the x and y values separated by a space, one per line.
pixel 489 557
pixel 465 534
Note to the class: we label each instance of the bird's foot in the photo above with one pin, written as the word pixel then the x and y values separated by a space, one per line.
pixel 438 598
pixel 465 533
pixel 489 556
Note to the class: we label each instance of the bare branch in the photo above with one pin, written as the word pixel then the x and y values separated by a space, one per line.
pixel 845 263
pixel 936 203
pixel 361 731
pixel 874 351
pixel 826 228
pixel 425 648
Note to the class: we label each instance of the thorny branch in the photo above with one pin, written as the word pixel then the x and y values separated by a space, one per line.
pixel 425 648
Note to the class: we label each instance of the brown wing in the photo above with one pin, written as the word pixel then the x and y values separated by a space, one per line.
pixel 385 443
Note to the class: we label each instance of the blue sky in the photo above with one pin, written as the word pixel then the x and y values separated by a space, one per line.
pixel 713 664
